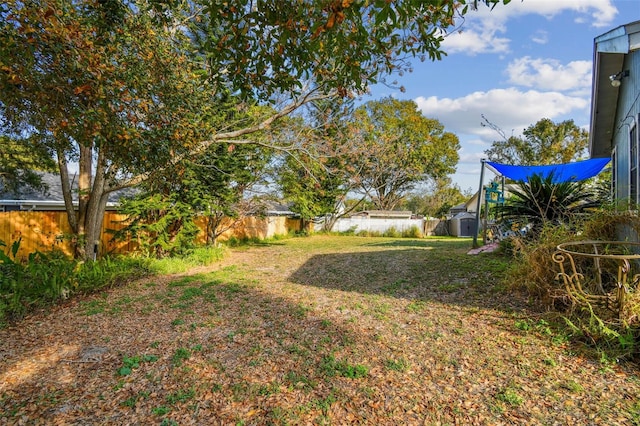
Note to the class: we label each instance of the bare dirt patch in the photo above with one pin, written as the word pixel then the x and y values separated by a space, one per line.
pixel 321 330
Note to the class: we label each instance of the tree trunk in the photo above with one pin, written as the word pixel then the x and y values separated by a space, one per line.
pixel 95 208
pixel 67 191
pixel 85 221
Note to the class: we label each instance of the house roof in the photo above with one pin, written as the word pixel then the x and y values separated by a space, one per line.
pixel 609 52
pixel 51 197
pixel 385 213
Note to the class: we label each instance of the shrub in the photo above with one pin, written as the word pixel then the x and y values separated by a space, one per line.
pixel 413 232
pixel 534 270
pixel 540 202
pixel 392 232
pixel 43 279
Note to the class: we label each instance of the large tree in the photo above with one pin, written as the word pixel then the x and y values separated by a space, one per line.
pixel 399 147
pixel 98 85
pixel 436 199
pixel 318 179
pixel 126 88
pixel 544 142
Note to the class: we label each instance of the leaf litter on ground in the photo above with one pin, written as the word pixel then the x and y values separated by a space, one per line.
pixel 318 330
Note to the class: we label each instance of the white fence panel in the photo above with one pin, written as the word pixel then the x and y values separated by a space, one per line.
pixel 376 224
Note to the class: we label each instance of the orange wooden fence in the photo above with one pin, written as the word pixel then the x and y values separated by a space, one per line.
pixel 46 231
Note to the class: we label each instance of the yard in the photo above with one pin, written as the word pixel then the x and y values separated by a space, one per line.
pixel 318 330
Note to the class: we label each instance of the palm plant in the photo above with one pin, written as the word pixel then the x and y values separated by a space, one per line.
pixel 541 201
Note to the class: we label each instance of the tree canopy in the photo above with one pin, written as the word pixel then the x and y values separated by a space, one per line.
pixel 399 147
pixel 129 88
pixel 270 46
pixel 318 179
pixel 544 142
pixel 20 162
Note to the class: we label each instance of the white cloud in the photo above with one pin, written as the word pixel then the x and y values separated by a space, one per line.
pixel 473 41
pixel 550 74
pixel 510 109
pixel 540 37
pixel 482 31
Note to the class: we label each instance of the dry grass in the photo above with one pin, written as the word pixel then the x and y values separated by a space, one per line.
pixel 321 330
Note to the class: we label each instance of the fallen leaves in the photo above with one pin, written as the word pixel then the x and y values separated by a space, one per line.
pixel 277 339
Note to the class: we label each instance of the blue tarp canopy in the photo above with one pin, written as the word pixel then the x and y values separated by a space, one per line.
pixel 568 172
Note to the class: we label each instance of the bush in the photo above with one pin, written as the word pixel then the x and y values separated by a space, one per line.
pixel 392 232
pixel 413 232
pixel 534 271
pixel 39 280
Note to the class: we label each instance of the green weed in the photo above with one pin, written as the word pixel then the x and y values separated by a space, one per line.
pixel 181 396
pixel 300 381
pixel 331 367
pixel 399 364
pixel 129 363
pixel 180 355
pixel 160 410
pixel 510 397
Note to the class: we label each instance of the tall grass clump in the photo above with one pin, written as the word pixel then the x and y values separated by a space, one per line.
pixel 392 232
pixel 534 271
pixel 412 232
pixel 201 256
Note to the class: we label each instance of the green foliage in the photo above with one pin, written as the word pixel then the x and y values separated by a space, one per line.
pixel 541 202
pixel 399 147
pixel 400 364
pixel 181 395
pixel 163 217
pixel 317 180
pixel 412 232
pixel 131 363
pixel 180 355
pixel 200 256
pixel 332 367
pixel 162 226
pixel 543 143
pixel 436 200
pixel 20 159
pixel 510 396
pixel 392 232
pixel 41 279
pixel 374 39
pixel 161 411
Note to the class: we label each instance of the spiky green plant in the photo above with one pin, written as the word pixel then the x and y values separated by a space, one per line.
pixel 541 201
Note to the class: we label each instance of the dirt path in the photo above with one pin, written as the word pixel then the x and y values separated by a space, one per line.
pixel 319 330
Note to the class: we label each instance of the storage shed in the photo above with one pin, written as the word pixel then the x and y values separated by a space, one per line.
pixel 463 225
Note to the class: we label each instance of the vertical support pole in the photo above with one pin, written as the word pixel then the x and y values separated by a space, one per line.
pixel 485 222
pixel 478 205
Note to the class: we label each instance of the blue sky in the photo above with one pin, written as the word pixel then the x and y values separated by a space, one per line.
pixel 517 64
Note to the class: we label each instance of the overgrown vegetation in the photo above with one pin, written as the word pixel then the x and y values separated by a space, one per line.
pixel 43 279
pixel 541 202
pixel 391 232
pixel 602 328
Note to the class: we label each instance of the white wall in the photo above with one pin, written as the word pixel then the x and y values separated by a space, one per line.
pixel 376 224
